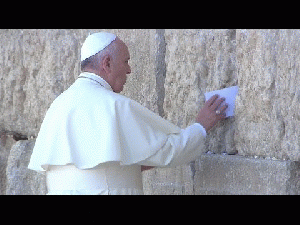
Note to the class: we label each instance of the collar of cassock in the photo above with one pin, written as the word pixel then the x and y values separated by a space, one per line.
pixel 95 78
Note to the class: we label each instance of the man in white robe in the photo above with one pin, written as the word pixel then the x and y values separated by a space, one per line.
pixel 95 141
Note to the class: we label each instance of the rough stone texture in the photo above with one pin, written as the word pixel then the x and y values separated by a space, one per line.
pixel 268 105
pixel 38 65
pixel 197 62
pixel 20 180
pixel 142 47
pixel 35 67
pixel 236 175
pixel 6 142
pixel 169 181
pixel 171 71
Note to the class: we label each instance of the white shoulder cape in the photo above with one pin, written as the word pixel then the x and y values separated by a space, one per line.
pixel 89 124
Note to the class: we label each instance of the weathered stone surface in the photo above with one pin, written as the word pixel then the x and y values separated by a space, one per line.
pixel 38 65
pixel 171 71
pixel 35 67
pixel 21 180
pixel 6 142
pixel 199 61
pixel 236 175
pixel 268 105
pixel 169 181
pixel 142 47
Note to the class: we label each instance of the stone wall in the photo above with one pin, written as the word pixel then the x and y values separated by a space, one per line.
pixel 171 71
pixel 38 65
pixel 268 115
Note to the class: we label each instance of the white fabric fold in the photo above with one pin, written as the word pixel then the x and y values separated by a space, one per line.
pixel 105 179
pixel 89 124
pixel 180 148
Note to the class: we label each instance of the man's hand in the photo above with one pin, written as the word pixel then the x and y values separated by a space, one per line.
pixel 211 113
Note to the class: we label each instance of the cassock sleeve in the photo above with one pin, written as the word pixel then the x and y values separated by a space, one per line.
pixel 150 140
pixel 180 148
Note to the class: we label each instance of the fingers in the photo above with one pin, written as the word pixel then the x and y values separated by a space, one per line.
pixel 223 113
pixel 223 108
pixel 214 104
pixel 213 111
pixel 211 100
pixel 217 103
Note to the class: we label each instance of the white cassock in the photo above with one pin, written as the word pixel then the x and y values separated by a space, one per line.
pixel 94 141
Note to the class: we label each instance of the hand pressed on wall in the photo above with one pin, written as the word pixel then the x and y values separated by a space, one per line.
pixel 212 112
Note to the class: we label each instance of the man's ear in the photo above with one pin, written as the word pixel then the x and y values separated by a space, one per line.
pixel 106 63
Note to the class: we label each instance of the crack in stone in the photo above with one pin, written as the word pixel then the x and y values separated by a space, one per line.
pixel 160 69
pixel 15 135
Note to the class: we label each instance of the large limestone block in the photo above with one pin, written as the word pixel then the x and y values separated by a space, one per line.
pixel 196 61
pixel 268 105
pixel 35 67
pixel 141 83
pixel 6 142
pixel 169 181
pixel 21 180
pixel 38 65
pixel 199 61
pixel 237 175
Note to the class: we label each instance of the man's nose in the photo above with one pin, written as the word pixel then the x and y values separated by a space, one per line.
pixel 129 70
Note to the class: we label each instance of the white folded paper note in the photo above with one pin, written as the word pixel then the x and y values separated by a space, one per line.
pixel 229 94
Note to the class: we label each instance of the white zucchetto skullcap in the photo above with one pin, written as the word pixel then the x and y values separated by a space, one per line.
pixel 96 42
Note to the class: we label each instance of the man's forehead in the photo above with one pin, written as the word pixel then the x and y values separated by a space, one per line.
pixel 123 48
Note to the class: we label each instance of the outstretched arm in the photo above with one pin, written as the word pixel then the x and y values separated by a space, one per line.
pixel 189 143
